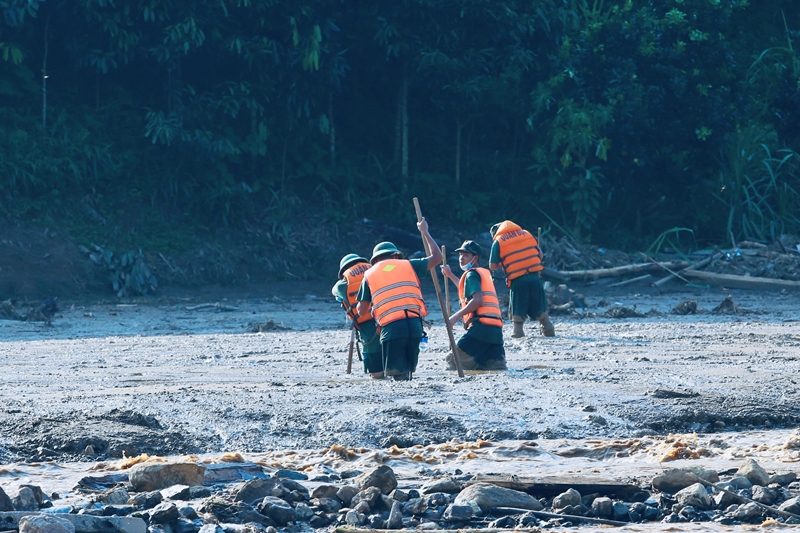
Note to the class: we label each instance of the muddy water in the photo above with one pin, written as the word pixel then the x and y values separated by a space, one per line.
pixel 173 376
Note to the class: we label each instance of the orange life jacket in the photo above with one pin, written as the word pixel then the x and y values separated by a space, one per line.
pixel 519 251
pixel 489 311
pixel 395 289
pixel 353 277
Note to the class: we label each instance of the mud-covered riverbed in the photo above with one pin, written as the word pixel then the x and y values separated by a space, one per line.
pixel 168 376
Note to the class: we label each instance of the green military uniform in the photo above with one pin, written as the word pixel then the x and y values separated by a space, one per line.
pixel 399 339
pixel 526 293
pixel 367 333
pixel 481 342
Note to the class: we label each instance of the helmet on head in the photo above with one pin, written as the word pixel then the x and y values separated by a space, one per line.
pixel 493 229
pixel 348 261
pixel 383 248
pixel 470 247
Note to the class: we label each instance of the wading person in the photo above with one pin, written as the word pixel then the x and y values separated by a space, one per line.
pixel 392 286
pixel 517 252
pixel 482 343
pixel 351 274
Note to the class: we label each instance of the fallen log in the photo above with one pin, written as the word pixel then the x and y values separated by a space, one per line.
pixel 695 266
pixel 555 485
pixel 615 272
pixel 731 281
pixel 631 281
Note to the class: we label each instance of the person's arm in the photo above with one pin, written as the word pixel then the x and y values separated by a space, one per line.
pixel 364 299
pixel 475 302
pixel 436 254
pixel 494 257
pixel 362 308
pixel 449 274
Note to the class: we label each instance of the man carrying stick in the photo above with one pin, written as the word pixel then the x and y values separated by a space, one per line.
pixel 517 252
pixel 351 274
pixel 392 286
pixel 482 344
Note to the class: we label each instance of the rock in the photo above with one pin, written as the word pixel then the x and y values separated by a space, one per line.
pixel 488 496
pixel 146 500
pixel 362 507
pixel 570 497
pixel 438 499
pixel 346 493
pixel 45 524
pixel 370 495
pixel 176 492
pixel 198 491
pixel 395 520
pixel 325 491
pixel 118 510
pixel 457 513
pixel 118 496
pixel 619 512
pixel 791 505
pixel 381 477
pixel 156 476
pixel 255 490
pixel 37 493
pixel 415 506
pixel 354 518
pixel 290 474
pixel 303 512
pixel 448 485
pixel 25 500
pixel 277 510
pixel 329 505
pixel 783 479
pixel 164 512
pixel 675 479
pixel 764 495
pixel 293 486
pixel 225 472
pixel 211 528
pixel 753 472
pixel 723 499
pixel 5 502
pixel 694 495
pixel 739 483
pixel 602 507
pixel 83 523
pixel 746 512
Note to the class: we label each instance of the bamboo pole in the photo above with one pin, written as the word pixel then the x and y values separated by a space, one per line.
pixel 350 352
pixel 446 285
pixel 453 345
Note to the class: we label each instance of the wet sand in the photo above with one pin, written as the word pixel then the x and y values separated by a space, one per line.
pixel 169 376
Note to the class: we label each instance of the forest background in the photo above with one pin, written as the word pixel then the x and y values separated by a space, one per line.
pixel 153 124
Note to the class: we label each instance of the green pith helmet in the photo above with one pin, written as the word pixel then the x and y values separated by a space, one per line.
pixel 493 229
pixel 383 248
pixel 471 247
pixel 349 260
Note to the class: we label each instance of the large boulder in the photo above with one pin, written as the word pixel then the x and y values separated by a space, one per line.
pixel 381 477
pixel 487 496
pixel 695 495
pixel 753 471
pixel 45 524
pixel 675 479
pixel 157 476
pixel 255 490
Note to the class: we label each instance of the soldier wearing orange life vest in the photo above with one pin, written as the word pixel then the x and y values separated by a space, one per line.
pixel 392 287
pixel 517 252
pixel 351 273
pixel 482 344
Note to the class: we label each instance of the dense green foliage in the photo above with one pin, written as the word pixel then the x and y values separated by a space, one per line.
pixel 613 120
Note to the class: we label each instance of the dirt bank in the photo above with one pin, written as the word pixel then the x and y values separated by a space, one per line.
pixel 168 375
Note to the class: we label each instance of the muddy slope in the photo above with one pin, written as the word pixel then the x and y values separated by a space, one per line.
pixel 171 375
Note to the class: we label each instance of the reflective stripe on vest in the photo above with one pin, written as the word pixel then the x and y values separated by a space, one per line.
pixel 489 311
pixel 353 277
pixel 519 251
pixel 395 290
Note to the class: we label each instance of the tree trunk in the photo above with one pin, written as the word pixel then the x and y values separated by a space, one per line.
pixel 404 147
pixel 332 132
pixel 458 149
pixel 44 73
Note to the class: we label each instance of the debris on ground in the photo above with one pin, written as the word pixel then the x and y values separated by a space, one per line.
pixel 727 307
pixel 32 312
pixel 269 325
pixel 619 311
pixel 561 300
pixel 688 307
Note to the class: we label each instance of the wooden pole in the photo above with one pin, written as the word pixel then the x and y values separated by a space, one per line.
pixel 453 346
pixel 446 285
pixel 350 352
pixel 539 244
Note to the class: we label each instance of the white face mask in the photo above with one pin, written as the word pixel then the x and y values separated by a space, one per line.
pixel 466 267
